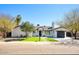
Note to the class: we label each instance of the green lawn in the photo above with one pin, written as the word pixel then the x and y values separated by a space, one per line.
pixel 36 39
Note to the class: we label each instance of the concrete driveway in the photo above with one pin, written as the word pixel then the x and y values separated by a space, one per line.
pixel 37 48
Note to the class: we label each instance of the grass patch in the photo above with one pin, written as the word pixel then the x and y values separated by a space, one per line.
pixel 36 39
pixel 52 40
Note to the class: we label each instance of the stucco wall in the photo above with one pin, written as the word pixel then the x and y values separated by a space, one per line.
pixel 17 32
pixel 54 33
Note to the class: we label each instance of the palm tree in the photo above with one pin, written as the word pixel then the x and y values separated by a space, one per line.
pixel 18 19
pixel 38 24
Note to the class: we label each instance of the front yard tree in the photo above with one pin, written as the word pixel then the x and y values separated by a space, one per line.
pixel 71 22
pixel 27 27
pixel 6 24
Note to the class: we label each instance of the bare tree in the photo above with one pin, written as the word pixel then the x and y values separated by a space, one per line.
pixel 6 24
pixel 71 22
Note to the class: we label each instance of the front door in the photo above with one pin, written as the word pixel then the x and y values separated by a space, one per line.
pixel 60 34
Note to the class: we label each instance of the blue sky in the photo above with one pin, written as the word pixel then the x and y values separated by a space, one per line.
pixel 42 14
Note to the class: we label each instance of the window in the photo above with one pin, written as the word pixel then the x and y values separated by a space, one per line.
pixel 68 34
pixel 33 31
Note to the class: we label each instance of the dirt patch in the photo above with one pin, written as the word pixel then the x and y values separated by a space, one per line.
pixel 36 48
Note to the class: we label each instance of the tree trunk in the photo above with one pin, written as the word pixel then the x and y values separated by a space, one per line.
pixel 72 36
pixel 4 35
pixel 26 34
pixel 75 34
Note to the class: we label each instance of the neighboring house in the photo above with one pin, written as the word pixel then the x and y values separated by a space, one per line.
pixel 17 32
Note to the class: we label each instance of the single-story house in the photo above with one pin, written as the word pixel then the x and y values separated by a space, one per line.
pixel 58 32
pixel 46 31
pixel 17 32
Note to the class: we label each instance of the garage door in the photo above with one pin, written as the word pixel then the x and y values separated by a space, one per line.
pixel 60 34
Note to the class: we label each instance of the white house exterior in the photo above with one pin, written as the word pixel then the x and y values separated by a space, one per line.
pixel 55 32
pixel 61 32
pixel 58 33
pixel 44 29
pixel 16 32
